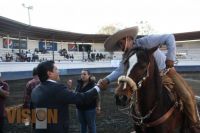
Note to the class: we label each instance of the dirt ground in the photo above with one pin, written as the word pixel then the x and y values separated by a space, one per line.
pixel 110 120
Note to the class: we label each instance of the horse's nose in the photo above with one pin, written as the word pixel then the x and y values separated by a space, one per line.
pixel 121 100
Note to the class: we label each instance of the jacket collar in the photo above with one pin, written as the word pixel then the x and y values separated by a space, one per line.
pixel 50 80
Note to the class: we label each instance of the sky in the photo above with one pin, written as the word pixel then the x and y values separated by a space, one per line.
pixel 89 16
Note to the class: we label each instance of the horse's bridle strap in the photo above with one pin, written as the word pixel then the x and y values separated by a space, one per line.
pixel 162 119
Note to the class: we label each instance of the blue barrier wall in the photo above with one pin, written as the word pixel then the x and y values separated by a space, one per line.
pixel 28 74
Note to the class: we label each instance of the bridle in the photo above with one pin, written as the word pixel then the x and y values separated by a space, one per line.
pixel 146 73
pixel 134 99
pixel 133 104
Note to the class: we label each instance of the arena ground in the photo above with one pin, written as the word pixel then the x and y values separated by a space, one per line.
pixel 110 119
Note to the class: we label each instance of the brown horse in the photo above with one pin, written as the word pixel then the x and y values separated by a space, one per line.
pixel 153 107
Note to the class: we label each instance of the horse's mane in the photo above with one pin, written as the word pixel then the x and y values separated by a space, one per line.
pixel 129 53
pixel 161 96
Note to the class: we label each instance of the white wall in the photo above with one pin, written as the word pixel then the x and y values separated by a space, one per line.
pixel 32 44
pixel 189 44
pixel 62 45
pixel 99 47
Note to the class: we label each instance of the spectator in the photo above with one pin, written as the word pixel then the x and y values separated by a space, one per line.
pixel 52 95
pixel 4 93
pixel 29 87
pixel 93 56
pixel 29 56
pixel 72 57
pixel 67 56
pixel 87 112
pixel 97 56
pixel 69 84
pixel 36 50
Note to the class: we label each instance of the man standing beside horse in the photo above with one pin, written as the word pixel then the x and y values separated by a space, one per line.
pixel 125 40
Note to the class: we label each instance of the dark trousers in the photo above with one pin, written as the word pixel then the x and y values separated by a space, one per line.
pixel 1 124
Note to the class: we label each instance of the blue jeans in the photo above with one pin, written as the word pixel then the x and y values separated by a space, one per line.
pixel 87 120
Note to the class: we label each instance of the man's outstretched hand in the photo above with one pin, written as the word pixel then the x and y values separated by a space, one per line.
pixel 103 84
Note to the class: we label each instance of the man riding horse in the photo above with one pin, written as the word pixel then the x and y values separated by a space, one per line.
pixel 126 39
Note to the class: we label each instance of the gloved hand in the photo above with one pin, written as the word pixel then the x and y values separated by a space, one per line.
pixel 103 84
pixel 169 63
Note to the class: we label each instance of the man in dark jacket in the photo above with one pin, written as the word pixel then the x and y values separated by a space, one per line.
pixel 52 95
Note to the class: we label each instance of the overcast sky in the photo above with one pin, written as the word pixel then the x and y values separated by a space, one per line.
pixel 89 16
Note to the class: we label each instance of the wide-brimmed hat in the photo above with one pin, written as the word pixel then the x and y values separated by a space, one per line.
pixel 110 43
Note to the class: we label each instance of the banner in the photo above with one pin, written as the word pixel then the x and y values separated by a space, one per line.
pixel 49 46
pixel 72 47
pixel 14 44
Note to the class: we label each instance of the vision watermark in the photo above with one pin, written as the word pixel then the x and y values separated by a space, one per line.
pixel 39 116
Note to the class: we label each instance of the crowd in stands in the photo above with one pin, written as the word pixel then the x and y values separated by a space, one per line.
pixel 91 56
pixel 27 56
pixel 63 52
pixel 97 56
pixel 42 51
pixel 62 55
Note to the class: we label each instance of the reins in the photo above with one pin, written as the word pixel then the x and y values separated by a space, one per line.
pixel 134 103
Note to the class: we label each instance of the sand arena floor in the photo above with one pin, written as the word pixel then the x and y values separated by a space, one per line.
pixel 110 120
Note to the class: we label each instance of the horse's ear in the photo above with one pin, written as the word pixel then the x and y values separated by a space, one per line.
pixel 152 50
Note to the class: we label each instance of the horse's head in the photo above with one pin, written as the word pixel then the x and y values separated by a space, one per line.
pixel 136 64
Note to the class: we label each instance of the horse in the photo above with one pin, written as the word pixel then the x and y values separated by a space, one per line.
pixel 152 105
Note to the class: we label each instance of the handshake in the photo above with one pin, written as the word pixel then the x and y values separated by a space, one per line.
pixel 103 84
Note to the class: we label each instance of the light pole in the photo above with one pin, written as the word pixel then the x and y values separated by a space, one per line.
pixel 28 8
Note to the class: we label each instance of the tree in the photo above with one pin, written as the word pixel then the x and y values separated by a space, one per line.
pixel 109 29
pixel 145 28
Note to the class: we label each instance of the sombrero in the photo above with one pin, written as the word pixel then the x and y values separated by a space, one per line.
pixel 110 43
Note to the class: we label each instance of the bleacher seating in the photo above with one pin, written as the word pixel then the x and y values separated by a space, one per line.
pixel 191 53
pixel 3 52
pixel 78 56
